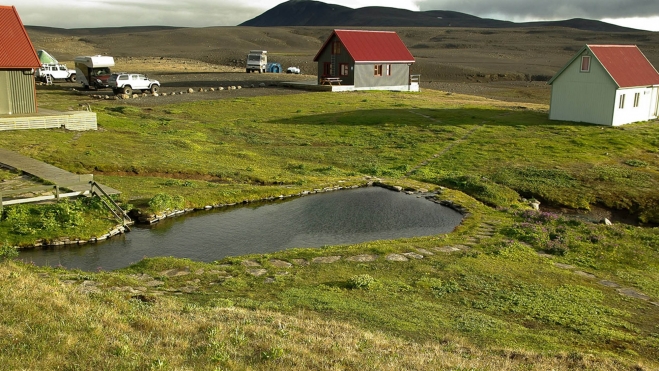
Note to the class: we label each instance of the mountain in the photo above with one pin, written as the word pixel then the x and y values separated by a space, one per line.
pixel 317 13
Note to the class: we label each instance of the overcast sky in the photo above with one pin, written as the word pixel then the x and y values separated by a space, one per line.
pixel 642 14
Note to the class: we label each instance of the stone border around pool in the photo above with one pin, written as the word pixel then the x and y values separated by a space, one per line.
pixel 155 218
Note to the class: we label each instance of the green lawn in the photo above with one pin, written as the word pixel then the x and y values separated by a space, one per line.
pixel 498 305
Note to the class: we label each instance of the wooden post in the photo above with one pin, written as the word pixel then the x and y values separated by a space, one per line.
pixel 57 192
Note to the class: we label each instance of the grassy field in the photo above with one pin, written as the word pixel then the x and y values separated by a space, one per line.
pixel 497 305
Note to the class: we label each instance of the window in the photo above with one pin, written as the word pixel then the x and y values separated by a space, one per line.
pixel 621 105
pixel 637 98
pixel 378 70
pixel 343 67
pixel 388 70
pixel 585 63
pixel 336 47
pixel 327 69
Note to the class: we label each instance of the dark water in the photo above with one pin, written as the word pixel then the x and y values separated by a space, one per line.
pixel 335 218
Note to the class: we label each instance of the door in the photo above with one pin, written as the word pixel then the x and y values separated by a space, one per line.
pixel 4 93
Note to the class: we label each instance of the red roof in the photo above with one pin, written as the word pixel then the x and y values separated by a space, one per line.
pixel 626 64
pixel 16 50
pixel 371 46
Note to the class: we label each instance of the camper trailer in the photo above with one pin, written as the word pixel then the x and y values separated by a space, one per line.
pixel 257 60
pixel 94 71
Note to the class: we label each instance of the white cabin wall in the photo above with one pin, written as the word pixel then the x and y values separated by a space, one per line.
pixel 629 113
pixel 654 102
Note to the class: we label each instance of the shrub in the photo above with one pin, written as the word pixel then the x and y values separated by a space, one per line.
pixel 361 282
pixel 19 218
pixel 7 252
pixel 163 201
pixel 636 163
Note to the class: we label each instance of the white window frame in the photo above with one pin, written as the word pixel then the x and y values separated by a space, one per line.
pixel 584 58
pixel 621 103
pixel 637 99
pixel 377 70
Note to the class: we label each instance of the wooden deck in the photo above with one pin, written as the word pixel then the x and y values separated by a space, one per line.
pixel 42 170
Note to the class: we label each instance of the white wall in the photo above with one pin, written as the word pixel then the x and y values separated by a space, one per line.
pixel 654 103
pixel 629 113
pixel 583 96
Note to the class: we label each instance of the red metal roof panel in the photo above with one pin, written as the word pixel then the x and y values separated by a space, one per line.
pixel 16 50
pixel 626 64
pixel 372 46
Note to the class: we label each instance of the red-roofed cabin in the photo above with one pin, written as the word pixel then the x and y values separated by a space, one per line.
pixel 18 61
pixel 606 85
pixel 366 60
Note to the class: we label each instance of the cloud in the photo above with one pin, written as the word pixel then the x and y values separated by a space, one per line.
pixel 116 13
pixel 202 13
pixel 547 9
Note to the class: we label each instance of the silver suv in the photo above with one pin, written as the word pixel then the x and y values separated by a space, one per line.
pixel 126 83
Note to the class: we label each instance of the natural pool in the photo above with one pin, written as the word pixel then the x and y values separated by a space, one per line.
pixel 334 218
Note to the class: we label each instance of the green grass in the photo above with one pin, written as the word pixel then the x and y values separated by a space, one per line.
pixel 497 306
pixel 320 138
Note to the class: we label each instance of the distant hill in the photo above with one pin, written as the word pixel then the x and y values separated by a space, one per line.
pixel 317 13
pixel 98 31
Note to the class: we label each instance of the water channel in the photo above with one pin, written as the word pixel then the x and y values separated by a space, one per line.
pixel 334 218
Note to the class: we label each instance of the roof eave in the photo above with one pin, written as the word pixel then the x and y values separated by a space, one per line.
pixel 320 51
pixel 20 67
pixel 412 61
pixel 551 81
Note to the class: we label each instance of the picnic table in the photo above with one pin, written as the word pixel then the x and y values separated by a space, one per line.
pixel 330 81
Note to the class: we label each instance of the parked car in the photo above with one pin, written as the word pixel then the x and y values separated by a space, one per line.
pixel 295 70
pixel 126 83
pixel 55 71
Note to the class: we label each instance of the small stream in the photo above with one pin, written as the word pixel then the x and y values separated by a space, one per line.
pixel 334 218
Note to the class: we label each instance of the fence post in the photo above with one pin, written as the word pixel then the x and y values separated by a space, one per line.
pixel 57 192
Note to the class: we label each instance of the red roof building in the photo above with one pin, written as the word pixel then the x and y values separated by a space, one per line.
pixel 371 46
pixel 16 50
pixel 365 60
pixel 606 85
pixel 18 61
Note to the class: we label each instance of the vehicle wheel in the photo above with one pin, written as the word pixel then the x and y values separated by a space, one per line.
pixel 127 90
pixel 155 89
pixel 85 87
pixel 248 70
pixel 72 78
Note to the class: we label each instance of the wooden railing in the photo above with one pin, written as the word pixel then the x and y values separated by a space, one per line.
pixel 55 188
pixel 109 203
pixel 84 185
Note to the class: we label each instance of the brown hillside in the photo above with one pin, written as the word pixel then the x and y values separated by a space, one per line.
pixel 444 55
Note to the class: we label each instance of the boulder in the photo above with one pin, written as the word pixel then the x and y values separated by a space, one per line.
pixel 190 90
pixel 326 259
pixel 396 258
